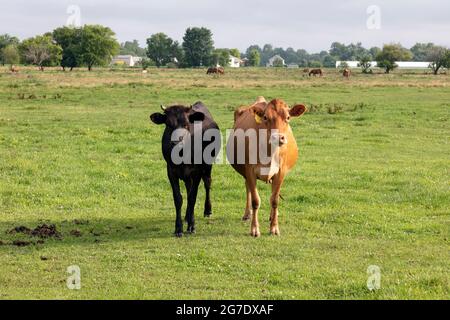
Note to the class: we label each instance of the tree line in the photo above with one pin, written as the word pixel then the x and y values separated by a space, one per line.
pixel 94 45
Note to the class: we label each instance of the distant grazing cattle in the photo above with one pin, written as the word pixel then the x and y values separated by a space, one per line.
pixel 305 72
pixel 14 69
pixel 246 159
pixel 215 70
pixel 181 119
pixel 316 72
pixel 346 73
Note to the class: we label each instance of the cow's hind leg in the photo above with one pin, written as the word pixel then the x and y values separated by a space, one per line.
pixel 192 197
pixel 178 201
pixel 248 205
pixel 207 182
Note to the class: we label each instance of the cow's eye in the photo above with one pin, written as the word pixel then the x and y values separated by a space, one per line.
pixel 288 118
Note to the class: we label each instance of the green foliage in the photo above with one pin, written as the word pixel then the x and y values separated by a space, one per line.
pixel 132 48
pixel 365 64
pixel 421 51
pixel 314 64
pixel 98 45
pixel 69 38
pixel 329 61
pixel 7 40
pixel 437 56
pixel 278 63
pixel 221 57
pixel 146 63
pixel 41 51
pixel 235 53
pixel 254 58
pixel 162 49
pixel 10 54
pixel 198 46
pixel 391 52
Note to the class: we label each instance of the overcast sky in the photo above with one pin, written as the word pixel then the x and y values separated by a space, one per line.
pixel 311 25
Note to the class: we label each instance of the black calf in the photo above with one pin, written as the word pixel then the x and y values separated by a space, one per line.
pixel 181 117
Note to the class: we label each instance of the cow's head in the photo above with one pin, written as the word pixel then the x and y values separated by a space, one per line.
pixel 177 118
pixel 275 117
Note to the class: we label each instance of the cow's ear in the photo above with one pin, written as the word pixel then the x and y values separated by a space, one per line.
pixel 259 108
pixel 158 118
pixel 297 110
pixel 196 116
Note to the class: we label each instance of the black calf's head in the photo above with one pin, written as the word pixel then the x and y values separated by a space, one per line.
pixel 177 117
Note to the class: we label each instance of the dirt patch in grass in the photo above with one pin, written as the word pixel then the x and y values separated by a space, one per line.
pixel 42 231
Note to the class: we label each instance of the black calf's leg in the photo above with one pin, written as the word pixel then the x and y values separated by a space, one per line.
pixel 207 182
pixel 178 201
pixel 192 197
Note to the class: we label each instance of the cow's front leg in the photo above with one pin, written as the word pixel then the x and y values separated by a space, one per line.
pixel 177 199
pixel 274 201
pixel 192 197
pixel 251 180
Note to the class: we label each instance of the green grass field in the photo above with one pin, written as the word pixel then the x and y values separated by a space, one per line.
pixel 371 188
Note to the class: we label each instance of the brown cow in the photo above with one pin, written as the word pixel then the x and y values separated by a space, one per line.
pixel 14 69
pixel 274 117
pixel 216 70
pixel 316 72
pixel 346 73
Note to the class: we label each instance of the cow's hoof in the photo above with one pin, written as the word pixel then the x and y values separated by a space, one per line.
pixel 178 234
pixel 190 230
pixel 275 231
pixel 247 216
pixel 255 233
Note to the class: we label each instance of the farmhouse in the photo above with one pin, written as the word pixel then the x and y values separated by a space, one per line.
pixel 235 62
pixel 275 60
pixel 401 64
pixel 128 60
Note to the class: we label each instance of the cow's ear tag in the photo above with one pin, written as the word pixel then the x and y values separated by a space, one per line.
pixel 257 118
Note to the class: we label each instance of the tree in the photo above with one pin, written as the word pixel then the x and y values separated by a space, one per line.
pixel 98 45
pixel 69 39
pixel 391 52
pixel 132 48
pixel 7 40
pixel 10 54
pixel 41 51
pixel 365 64
pixel 278 62
pixel 162 49
pixel 235 53
pixel 221 57
pixel 438 58
pixel 329 61
pixel 421 51
pixel 314 64
pixel 254 58
pixel 198 46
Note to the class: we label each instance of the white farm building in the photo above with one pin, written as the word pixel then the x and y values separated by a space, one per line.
pixel 127 60
pixel 235 62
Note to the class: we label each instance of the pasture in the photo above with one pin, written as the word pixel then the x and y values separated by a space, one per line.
pixel 371 187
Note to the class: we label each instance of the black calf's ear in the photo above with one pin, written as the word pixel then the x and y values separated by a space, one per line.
pixel 158 118
pixel 297 110
pixel 196 116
